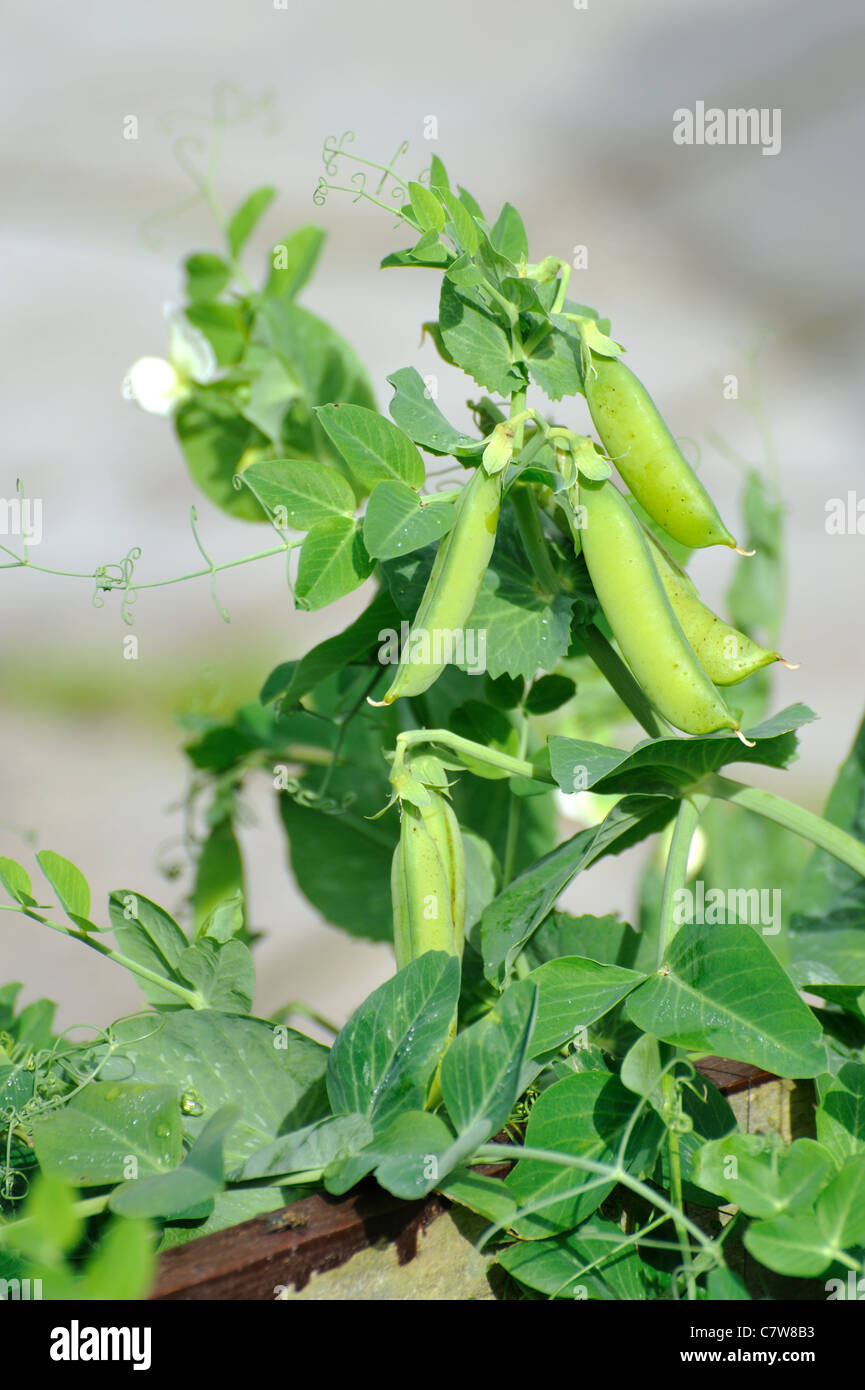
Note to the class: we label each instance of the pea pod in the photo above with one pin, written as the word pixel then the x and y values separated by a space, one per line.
pixel 649 635
pixel 428 882
pixel 726 655
pixel 648 457
pixel 453 587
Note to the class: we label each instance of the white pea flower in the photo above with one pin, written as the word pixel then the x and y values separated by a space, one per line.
pixel 160 385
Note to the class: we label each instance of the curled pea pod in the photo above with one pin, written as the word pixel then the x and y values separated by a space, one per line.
pixel 647 630
pixel 726 655
pixel 428 881
pixel 648 457
pixel 453 587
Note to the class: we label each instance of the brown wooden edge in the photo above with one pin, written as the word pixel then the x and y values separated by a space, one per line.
pixel 255 1259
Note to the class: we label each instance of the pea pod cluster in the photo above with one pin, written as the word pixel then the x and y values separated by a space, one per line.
pixel 649 634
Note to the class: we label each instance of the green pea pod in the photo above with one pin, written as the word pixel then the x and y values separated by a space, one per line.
pixel 726 655
pixel 428 882
pixel 452 589
pixel 648 457
pixel 649 635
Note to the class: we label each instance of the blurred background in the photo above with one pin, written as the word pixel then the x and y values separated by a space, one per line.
pixel 710 261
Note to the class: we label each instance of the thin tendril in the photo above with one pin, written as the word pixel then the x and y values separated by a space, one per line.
pixel 193 518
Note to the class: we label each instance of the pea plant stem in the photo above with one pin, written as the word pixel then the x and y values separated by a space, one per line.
pixel 820 832
pixel 611 665
pixel 675 873
pixel 525 505
pixel 515 767
pixel 515 804
pixel 190 997
pixel 668 1084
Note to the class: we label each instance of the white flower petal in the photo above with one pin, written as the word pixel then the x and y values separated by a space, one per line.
pixel 154 384
pixel 189 350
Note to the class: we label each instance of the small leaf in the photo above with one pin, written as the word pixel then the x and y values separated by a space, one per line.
pixel 244 219
pixel 398 520
pixel 16 881
pixel 198 1178
pixel 68 883
pixel 306 491
pixel 550 693
pixel 333 562
pixel 292 261
pixel 373 447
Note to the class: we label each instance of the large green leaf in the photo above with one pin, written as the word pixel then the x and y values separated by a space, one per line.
pixel 510 919
pixel 358 644
pixel 585 1116
pixel 382 1061
pixel 305 490
pixel 191 1185
pixel 273 1073
pixel 477 339
pixel 595 1262
pixel 841 1113
pixel 415 411
pixel 398 520
pixel 110 1131
pixel 742 1169
pixel 373 448
pixel 333 562
pixel 572 993
pixel 483 1071
pixel 722 991
pixel 807 1244
pixel 668 765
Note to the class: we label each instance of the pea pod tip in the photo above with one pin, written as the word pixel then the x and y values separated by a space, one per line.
pixel 748 742
pixel 739 551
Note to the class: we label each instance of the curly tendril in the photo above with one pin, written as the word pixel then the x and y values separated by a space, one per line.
pixel 118 576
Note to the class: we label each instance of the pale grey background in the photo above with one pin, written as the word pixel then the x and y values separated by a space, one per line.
pixel 698 255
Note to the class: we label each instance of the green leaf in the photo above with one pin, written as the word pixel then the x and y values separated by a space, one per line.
pixel 426 207
pixel 273 1073
pixel 462 222
pixel 485 1195
pixel 373 447
pixel 841 1205
pixel 219 871
pixel 829 894
pixel 214 438
pixel 53 1226
pixel 68 883
pixel 525 630
pixel 292 261
pixel 312 1148
pixel 825 957
pixel 357 645
pixel 412 1153
pixel 763 1186
pixel 790 1245
pixel 722 991
pixel 417 414
pixel 604 939
pixel 123 1265
pixel 508 235
pixel 477 339
pixel 149 936
pixel 438 175
pixel 511 918
pixel 669 765
pixel 222 973
pixel 483 1072
pixel 106 1129
pixel 550 693
pixel 841 1114
pixel 593 1262
pixel 363 848
pixel 398 520
pixel 723 1286
pixel 333 562
pixel 206 276
pixel 307 491
pixel 224 326
pixel 198 1178
pixel 382 1061
pixel 16 881
pixel 585 1116
pixel 272 394
pixel 555 364
pixel 572 993
pixel 244 219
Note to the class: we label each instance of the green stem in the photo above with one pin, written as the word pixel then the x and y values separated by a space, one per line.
pixel 515 767
pixel 525 505
pixel 90 1206
pixel 191 997
pixel 494 1153
pixel 514 809
pixel 157 583
pixel 675 873
pixel 670 1090
pixel 611 665
pixel 776 808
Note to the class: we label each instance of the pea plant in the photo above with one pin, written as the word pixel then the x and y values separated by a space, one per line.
pixel 526 617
